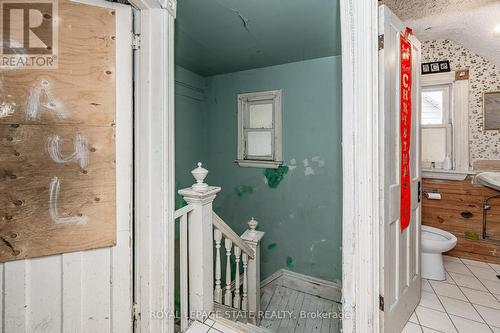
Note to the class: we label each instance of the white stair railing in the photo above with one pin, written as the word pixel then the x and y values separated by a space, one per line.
pixel 202 230
pixel 245 250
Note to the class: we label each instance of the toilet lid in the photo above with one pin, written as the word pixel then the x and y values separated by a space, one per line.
pixel 427 234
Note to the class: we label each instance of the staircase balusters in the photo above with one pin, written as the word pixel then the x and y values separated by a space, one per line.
pixel 200 229
pixel 244 302
pixel 218 289
pixel 237 300
pixel 228 298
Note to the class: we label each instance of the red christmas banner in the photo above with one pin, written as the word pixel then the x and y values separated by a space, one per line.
pixel 405 128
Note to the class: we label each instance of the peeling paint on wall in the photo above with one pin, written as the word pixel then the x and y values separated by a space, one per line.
pixel 272 246
pixel 275 176
pixel 289 262
pixel 319 161
pixel 316 243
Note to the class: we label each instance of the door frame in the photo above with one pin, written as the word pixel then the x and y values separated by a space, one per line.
pixel 155 156
pixel 360 162
pixel 154 163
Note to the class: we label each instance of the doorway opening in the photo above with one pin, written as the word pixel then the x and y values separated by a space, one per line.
pixel 459 162
pixel 258 103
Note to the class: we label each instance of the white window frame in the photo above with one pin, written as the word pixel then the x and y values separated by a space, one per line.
pixel 459 93
pixel 244 101
pixel 447 122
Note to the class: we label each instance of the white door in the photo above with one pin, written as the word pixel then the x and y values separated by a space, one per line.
pixel 86 291
pixel 400 250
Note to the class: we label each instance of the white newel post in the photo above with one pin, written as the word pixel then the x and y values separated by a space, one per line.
pixel 201 272
pixel 253 237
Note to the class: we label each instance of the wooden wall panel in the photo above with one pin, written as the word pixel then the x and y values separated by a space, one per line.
pixel 55 106
pixel 85 291
pixel 459 212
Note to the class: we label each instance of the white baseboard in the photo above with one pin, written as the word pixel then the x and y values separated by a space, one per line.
pixel 304 283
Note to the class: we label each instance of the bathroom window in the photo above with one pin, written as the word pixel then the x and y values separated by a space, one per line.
pixel 445 125
pixel 259 129
pixel 437 129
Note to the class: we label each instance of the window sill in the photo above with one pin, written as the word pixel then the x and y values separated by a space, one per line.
pixel 259 164
pixel 445 174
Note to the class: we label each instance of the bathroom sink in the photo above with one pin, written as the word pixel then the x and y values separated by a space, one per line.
pixel 489 179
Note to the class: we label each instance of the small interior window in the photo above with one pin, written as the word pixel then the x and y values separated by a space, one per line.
pixel 259 131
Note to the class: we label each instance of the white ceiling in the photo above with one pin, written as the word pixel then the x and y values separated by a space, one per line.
pixel 468 22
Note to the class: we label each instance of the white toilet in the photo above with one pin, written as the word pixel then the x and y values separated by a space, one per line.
pixel 434 242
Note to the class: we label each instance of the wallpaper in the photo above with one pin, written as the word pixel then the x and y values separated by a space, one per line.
pixel 483 76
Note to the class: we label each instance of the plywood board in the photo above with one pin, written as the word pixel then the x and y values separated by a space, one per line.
pixel 57 149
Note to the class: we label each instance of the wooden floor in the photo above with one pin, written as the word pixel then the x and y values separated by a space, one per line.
pixel 288 311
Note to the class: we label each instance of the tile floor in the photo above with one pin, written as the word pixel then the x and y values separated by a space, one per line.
pixel 468 301
pixel 209 326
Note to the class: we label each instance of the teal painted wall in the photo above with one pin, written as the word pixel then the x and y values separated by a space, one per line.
pixel 190 127
pixel 302 217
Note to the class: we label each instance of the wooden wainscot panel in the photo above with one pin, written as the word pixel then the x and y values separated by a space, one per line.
pixel 57 147
pixel 460 212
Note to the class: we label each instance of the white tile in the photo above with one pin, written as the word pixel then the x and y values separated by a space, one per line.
pixel 460 308
pixel 481 297
pixel 426 286
pixel 457 267
pixel 413 318
pixel 429 330
pixel 496 267
pixel 491 316
pixel 222 328
pixel 446 289
pixel 434 319
pixel 493 286
pixel 467 281
pixel 474 263
pixel 486 273
pixel 468 326
pixel 450 258
pixel 411 328
pixel 430 300
pixel 197 327
pixel 448 279
pixel 209 322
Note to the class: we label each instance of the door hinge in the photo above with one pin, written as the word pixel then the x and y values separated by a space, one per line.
pixel 381 302
pixel 419 191
pixel 380 42
pixel 136 41
pixel 136 313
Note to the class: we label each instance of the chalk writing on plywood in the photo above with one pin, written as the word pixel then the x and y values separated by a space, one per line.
pixel 57 143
